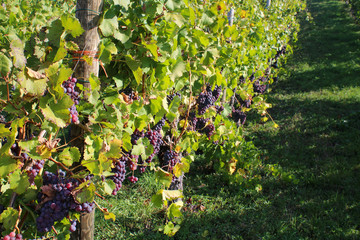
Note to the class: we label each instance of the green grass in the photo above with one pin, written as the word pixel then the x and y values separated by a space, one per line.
pixel 317 106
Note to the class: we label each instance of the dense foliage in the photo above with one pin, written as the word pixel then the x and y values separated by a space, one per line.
pixel 177 77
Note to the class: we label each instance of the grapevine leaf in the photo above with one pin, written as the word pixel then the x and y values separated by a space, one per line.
pixel 72 25
pixel 173 211
pixel 56 112
pixel 163 177
pixel 152 47
pixel 109 24
pixel 169 195
pixel 138 149
pixel 157 199
pixel 85 193
pixel 109 215
pixel 123 3
pixel 156 105
pixel 173 4
pixel 177 18
pixel 7 165
pixel 178 69
pixel 5 65
pixel 181 167
pixel 105 163
pixel 115 149
pixel 69 155
pixel 32 83
pixel 9 217
pixel 170 229
pixel 56 78
pixel 55 31
pixel 17 51
pixel 19 182
pixel 107 48
pixel 109 186
pixel 135 68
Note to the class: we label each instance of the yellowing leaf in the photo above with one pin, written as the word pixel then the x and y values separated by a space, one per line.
pixel 109 215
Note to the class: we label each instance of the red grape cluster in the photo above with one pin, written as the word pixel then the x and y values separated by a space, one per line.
pixel 34 170
pixel 13 236
pixel 207 99
pixel 57 201
pixel 69 89
pixel 119 175
pixel 73 226
pixel 170 159
pixel 156 140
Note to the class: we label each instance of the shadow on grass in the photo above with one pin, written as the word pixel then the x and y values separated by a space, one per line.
pixel 328 50
pixel 318 110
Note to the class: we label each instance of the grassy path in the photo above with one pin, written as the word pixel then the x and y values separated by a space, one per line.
pixel 317 106
pixel 318 109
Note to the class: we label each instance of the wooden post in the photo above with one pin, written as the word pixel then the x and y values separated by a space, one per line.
pixel 88 13
pixel 268 3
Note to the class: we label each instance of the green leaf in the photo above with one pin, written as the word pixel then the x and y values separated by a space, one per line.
pixel 69 155
pixel 56 112
pixel 163 177
pixel 135 68
pixel 55 31
pixel 138 149
pixel 108 186
pixel 32 83
pixel 107 48
pixel 173 4
pixel 7 165
pixel 156 105
pixel 152 47
pixel 19 182
pixel 174 211
pixel 17 52
pixel 85 192
pixel 72 25
pixel 109 24
pixel 115 149
pixel 8 218
pixel 178 69
pixel 123 3
pixel 5 65
pixel 57 77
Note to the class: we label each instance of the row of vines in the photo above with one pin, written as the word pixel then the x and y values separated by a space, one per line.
pixel 177 78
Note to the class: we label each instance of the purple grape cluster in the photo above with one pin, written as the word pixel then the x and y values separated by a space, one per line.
pixel 130 93
pixel 172 96
pixel 13 236
pixel 209 130
pixel 57 201
pixel 119 175
pixel 219 109
pixel 34 170
pixel 200 124
pixel 158 126
pixel 156 140
pixel 170 159
pixel 207 99
pixel 258 87
pixel 69 89
pixel 73 226
pixel 238 116
pixel 136 136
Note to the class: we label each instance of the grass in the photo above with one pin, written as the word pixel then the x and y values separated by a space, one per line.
pixel 317 106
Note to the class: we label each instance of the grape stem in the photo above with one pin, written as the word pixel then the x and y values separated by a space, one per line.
pixel 61 165
pixel 188 110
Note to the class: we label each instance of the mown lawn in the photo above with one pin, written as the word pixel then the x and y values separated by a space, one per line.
pixel 316 104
